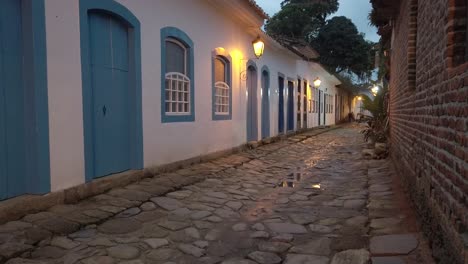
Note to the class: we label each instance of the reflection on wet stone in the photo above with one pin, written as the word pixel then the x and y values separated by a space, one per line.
pixel 301 200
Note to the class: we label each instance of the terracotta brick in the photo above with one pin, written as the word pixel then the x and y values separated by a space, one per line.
pixel 429 116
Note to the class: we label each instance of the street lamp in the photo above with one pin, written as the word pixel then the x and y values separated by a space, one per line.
pixel 258 46
pixel 317 82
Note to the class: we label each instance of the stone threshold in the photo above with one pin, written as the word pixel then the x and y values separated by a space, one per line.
pixel 18 207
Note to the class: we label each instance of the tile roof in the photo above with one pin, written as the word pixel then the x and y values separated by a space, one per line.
pixel 299 47
pixel 257 9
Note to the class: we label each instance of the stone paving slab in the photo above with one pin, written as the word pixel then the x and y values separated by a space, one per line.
pixel 308 199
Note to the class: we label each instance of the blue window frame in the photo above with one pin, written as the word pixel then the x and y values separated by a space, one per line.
pixel 222 85
pixel 177 76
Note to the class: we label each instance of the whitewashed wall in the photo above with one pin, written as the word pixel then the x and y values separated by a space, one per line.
pixel 163 142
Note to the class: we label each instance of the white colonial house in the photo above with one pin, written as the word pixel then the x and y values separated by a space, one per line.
pixel 91 88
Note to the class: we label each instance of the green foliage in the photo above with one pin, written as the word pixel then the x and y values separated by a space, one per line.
pixel 378 126
pixel 383 62
pixel 343 48
pixel 376 130
pixel 348 84
pixel 326 7
pixel 378 106
pixel 300 19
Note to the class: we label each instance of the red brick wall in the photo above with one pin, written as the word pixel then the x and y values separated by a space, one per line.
pixel 429 118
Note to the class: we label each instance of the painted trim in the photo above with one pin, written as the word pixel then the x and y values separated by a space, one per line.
pixel 222 53
pixel 251 63
pixel 265 68
pixel 281 131
pixel 136 134
pixel 41 182
pixel 291 80
pixel 173 32
pixel 36 100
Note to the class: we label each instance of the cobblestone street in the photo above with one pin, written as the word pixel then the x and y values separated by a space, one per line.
pixel 310 198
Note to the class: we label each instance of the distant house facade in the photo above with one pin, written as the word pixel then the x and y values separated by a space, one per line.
pixel 114 86
pixel 427 46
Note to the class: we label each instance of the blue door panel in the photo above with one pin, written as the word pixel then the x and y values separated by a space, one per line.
pixel 252 129
pixel 3 173
pixel 13 150
pixel 100 42
pixel 101 77
pixel 319 107
pixel 281 105
pixel 265 105
pixel 324 110
pixel 290 106
pixel 110 94
pixel 119 33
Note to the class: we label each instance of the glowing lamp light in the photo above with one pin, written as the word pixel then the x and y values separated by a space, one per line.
pixel 317 82
pixel 359 98
pixel 258 46
pixel 375 90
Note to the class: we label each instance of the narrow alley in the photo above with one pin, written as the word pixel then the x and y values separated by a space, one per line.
pixel 310 198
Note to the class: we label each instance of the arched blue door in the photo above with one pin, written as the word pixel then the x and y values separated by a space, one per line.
pixel 109 65
pixel 290 106
pixel 281 105
pixel 24 145
pixel 319 107
pixel 252 123
pixel 265 104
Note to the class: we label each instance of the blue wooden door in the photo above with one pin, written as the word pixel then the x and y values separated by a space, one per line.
pixel 281 105
pixel 325 110
pixel 109 59
pixel 265 104
pixel 304 105
pixel 299 102
pixel 290 106
pixel 252 123
pixel 319 107
pixel 12 96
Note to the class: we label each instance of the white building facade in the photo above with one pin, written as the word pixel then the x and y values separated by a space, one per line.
pixel 135 84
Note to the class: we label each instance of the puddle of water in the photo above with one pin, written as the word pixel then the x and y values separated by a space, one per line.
pixel 292 179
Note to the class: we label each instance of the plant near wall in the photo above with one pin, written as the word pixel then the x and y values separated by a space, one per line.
pixel 377 127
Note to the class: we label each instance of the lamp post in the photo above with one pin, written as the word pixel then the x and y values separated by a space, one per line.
pixel 258 46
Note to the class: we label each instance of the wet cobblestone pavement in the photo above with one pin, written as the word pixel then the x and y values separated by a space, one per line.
pixel 310 199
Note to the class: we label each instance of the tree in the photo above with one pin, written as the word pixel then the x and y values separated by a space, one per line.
pixel 343 48
pixel 340 45
pixel 300 19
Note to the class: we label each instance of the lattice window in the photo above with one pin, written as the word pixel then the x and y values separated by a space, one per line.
pixel 221 85
pixel 222 98
pixel 177 93
pixel 177 90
